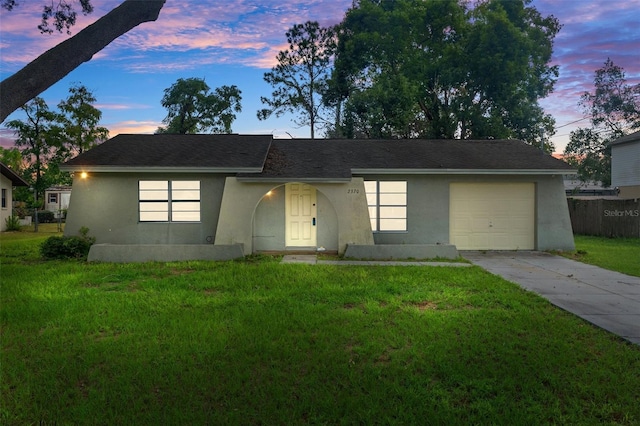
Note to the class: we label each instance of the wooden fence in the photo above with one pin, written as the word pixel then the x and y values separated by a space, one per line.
pixel 608 218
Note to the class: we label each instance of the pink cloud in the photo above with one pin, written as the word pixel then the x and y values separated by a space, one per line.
pixel 132 126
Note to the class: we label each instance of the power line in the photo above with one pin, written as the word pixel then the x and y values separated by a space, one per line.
pixel 573 122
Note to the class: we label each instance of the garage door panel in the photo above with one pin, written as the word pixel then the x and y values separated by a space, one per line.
pixel 492 216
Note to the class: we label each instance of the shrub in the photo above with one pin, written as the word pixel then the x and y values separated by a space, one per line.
pixel 72 247
pixel 45 216
pixel 13 223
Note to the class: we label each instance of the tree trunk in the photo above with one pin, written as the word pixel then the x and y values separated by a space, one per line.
pixel 54 64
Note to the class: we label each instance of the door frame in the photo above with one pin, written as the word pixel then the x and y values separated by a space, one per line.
pixel 308 204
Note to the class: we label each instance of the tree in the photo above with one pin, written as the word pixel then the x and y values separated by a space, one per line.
pixel 39 138
pixel 614 110
pixel 300 77
pixel 193 108
pixel 63 14
pixel 12 158
pixel 53 65
pixel 79 119
pixel 439 69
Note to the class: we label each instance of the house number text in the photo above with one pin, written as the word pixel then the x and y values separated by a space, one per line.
pixel 353 191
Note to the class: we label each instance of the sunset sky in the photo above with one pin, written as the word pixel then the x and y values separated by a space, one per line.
pixel 235 42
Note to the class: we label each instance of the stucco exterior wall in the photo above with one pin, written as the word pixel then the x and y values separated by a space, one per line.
pixel 269 222
pixel 428 209
pixel 239 212
pixel 5 212
pixel 241 199
pixel 107 204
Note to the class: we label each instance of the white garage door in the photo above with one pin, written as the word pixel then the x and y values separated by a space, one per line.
pixel 492 216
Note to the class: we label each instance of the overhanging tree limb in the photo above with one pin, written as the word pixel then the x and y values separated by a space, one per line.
pixel 57 62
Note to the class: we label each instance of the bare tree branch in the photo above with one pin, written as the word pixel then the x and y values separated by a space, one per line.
pixel 54 64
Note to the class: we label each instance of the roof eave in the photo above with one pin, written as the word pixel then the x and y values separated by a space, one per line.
pixel 386 171
pixel 132 169
pixel 256 179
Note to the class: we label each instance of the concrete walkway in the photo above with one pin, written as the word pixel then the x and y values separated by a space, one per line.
pixel 608 299
pixel 312 259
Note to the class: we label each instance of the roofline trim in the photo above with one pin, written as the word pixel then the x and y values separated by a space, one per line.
pixel 249 179
pixel 466 171
pixel 137 169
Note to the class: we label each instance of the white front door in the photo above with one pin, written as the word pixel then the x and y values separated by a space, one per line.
pixel 300 212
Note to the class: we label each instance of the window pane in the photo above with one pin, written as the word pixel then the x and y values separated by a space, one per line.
pixel 188 216
pixel 154 216
pixel 185 184
pixel 370 186
pixel 374 225
pixel 393 212
pixel 393 199
pixel 393 186
pixel 393 225
pixel 184 206
pixel 372 199
pixel 185 195
pixel 154 184
pixel 373 212
pixel 154 207
pixel 154 195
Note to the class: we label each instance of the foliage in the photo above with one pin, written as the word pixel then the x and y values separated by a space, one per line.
pixel 80 119
pixel 12 158
pixel 62 12
pixel 264 343
pixel 39 137
pixel 67 247
pixel 12 223
pixel 48 138
pixel 614 110
pixel 46 216
pixel 300 77
pixel 428 69
pixel 193 108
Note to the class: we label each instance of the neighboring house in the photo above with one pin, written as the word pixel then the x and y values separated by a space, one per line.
pixel 171 197
pixel 56 199
pixel 8 180
pixel 625 165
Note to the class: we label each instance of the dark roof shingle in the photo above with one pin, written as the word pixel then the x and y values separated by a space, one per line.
pixel 177 151
pixel 261 157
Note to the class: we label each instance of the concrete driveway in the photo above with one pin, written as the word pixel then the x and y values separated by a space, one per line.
pixel 608 299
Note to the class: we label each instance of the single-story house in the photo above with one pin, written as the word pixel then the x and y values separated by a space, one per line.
pixel 56 199
pixel 8 180
pixel 171 197
pixel 625 165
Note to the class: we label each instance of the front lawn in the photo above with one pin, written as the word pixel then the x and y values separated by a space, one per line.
pixel 259 342
pixel 616 254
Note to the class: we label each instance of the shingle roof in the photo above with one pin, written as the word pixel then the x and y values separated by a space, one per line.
pixel 327 159
pixel 227 152
pixel 260 157
pixel 15 179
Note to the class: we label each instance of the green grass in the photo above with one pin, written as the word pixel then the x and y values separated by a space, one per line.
pixel 259 342
pixel 616 254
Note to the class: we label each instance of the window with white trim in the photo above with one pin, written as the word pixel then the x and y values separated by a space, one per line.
pixel 53 198
pixel 387 201
pixel 169 201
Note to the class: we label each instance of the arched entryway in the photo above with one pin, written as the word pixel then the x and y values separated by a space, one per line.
pixel 295 216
